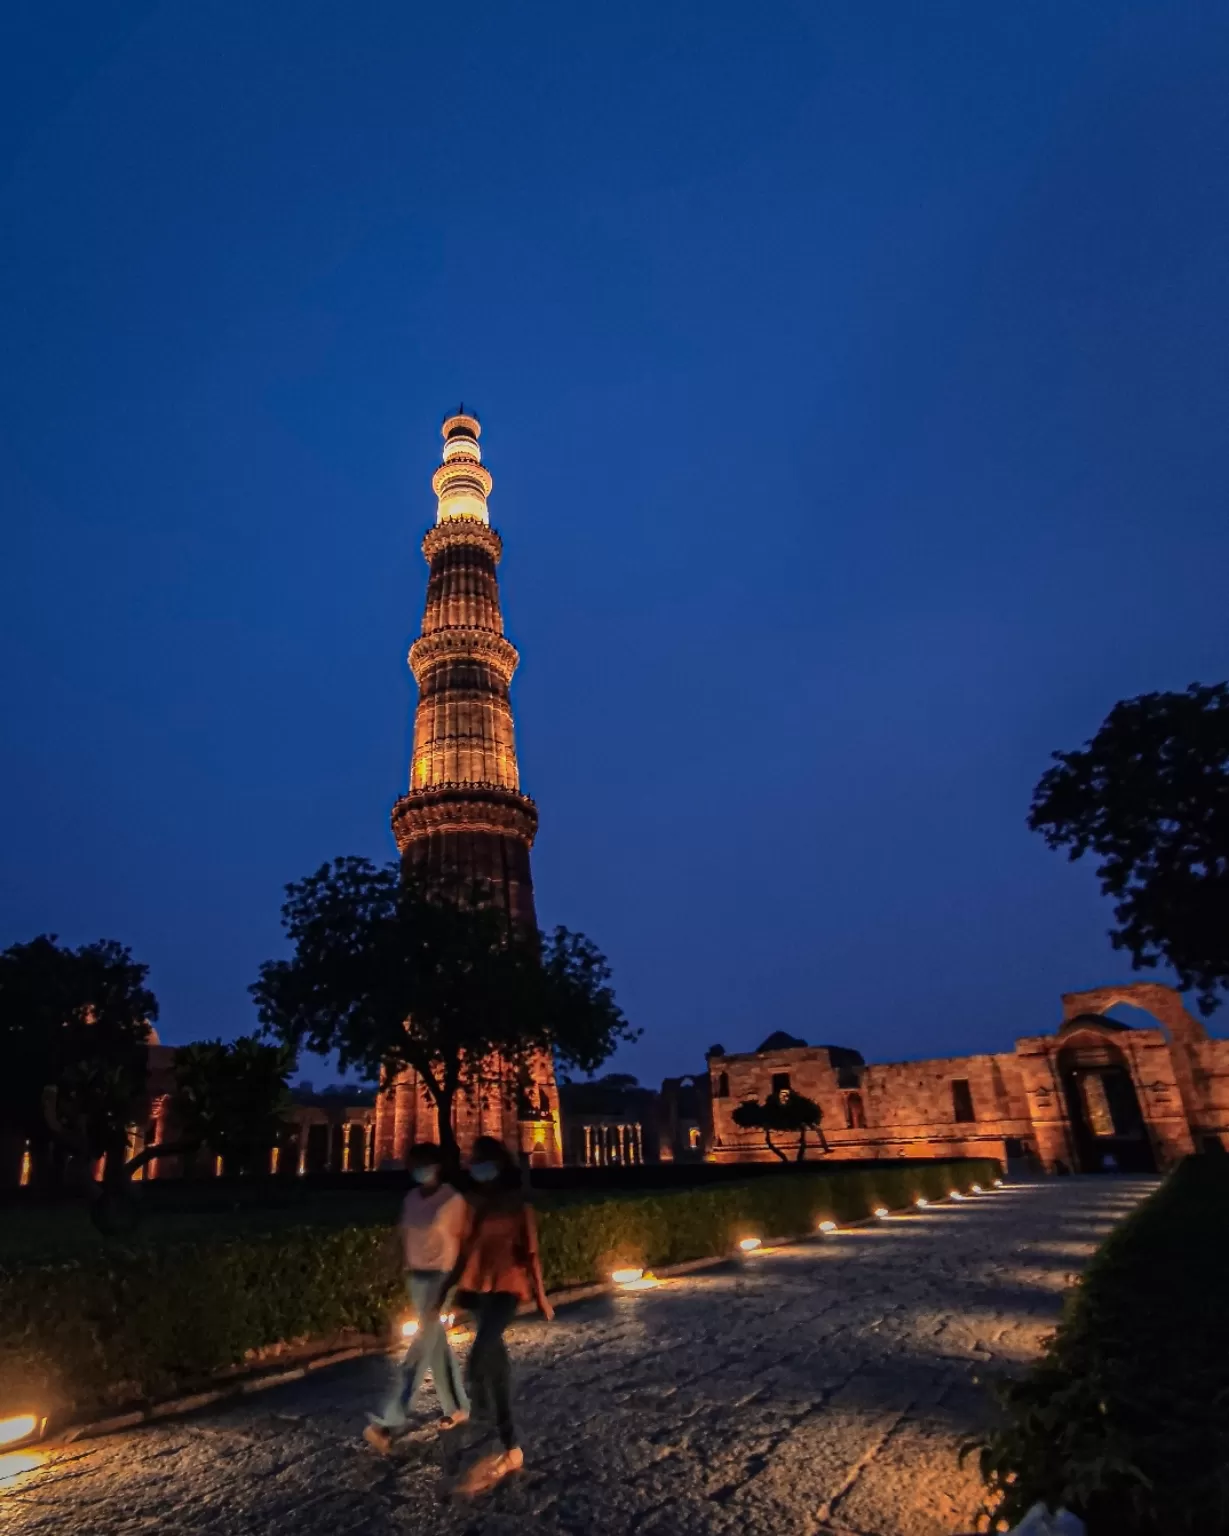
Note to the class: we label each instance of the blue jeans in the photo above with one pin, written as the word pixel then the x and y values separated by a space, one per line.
pixel 430 1351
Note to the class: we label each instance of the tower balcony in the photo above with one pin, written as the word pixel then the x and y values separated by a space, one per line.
pixel 461 807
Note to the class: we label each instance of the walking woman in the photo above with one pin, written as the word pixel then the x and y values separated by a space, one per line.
pixel 497 1269
pixel 433 1219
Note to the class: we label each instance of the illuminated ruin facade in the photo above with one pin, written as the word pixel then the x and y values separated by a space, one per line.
pixel 1095 1094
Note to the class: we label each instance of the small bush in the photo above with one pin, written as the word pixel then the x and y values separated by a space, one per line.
pixel 1125 1419
pixel 126 1323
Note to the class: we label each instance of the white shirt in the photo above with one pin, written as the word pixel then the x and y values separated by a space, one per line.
pixel 431 1227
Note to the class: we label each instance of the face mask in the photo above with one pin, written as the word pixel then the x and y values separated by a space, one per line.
pixel 484 1172
pixel 425 1175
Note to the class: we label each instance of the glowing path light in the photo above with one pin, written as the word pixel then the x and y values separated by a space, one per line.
pixel 22 1426
pixel 627 1276
pixel 827 1226
pixel 409 1328
pixel 749 1244
pixel 921 1204
pixel 976 1189
pixel 998 1183
pixel 881 1211
pixel 955 1194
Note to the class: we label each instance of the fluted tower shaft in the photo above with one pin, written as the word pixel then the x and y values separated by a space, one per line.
pixel 464 817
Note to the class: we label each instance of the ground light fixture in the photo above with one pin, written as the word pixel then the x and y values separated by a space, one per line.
pixel 749 1244
pixel 827 1226
pixel 998 1183
pixel 955 1194
pixel 21 1428
pixel 921 1203
pixel 975 1189
pixel 626 1276
pixel 881 1211
pixel 409 1328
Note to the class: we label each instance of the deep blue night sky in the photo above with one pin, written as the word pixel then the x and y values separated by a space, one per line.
pixel 854 382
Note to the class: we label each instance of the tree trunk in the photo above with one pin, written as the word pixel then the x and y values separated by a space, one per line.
pixel 775 1150
pixel 445 1098
pixel 160 1149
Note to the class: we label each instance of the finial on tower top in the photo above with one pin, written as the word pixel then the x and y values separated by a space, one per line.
pixel 463 424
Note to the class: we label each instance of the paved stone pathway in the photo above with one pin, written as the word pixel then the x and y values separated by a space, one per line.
pixel 821 1388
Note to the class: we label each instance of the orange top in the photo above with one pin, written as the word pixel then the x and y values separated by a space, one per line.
pixel 499 1251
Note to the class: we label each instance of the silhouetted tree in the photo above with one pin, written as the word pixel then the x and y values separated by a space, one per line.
pixel 232 1097
pixel 785 1112
pixel 1149 794
pixel 391 975
pixel 74 1027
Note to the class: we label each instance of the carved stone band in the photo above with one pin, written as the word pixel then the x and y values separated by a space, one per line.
pixel 462 530
pixel 463 644
pixel 464 808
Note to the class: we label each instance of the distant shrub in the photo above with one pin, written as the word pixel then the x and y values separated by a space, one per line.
pixel 125 1323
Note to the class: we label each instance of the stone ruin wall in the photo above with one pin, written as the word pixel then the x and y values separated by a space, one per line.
pixel 1181 1078
pixel 908 1106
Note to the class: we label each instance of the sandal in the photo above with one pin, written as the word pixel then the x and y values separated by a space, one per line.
pixel 484 1474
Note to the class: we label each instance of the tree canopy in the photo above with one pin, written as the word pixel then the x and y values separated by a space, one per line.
pixel 785 1112
pixel 392 975
pixel 76 1022
pixel 1149 795
pixel 233 1096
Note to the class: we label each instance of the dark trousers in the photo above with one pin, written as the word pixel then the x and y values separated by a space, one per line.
pixel 490 1370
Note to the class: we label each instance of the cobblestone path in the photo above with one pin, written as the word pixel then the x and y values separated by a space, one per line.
pixel 821 1388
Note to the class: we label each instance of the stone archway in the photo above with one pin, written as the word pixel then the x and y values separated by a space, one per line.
pixel 1186 1035
pixel 1163 1003
pixel 1108 1129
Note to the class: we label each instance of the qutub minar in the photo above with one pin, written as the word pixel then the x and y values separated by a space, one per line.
pixel 464 817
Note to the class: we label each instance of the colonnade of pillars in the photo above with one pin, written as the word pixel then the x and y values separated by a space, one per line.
pixel 611 1144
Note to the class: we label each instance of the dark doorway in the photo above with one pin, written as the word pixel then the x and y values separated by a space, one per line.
pixel 317 1148
pixel 1106 1121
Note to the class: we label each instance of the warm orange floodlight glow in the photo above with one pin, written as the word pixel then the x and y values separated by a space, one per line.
pixel 22 1426
pixel 881 1211
pixel 827 1226
pixel 627 1276
pixel 409 1328
pixel 448 1318
pixel 749 1244
pixel 14 1463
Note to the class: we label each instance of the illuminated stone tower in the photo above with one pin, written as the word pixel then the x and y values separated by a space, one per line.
pixel 465 817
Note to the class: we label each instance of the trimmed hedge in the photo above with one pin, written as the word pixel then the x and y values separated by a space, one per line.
pixel 582 1242
pixel 1125 1419
pixel 126 1324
